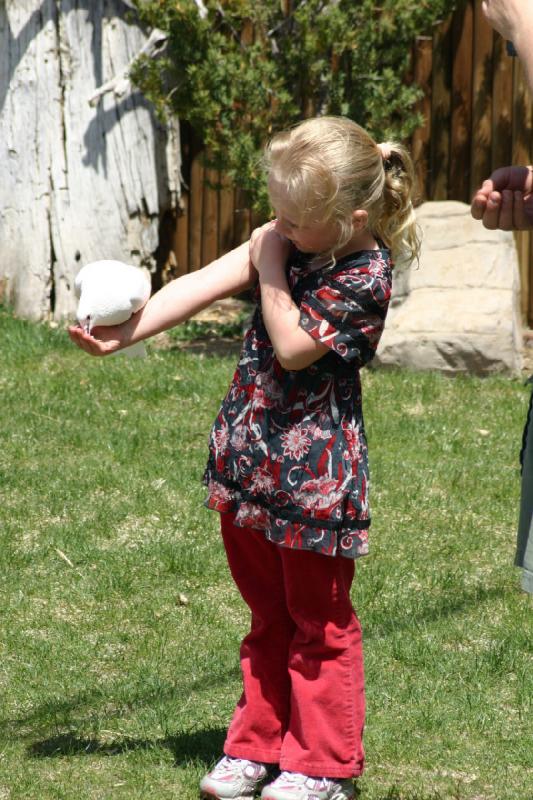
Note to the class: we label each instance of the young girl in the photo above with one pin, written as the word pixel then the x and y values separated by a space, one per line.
pixel 287 463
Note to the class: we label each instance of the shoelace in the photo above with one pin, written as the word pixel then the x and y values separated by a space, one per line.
pixel 298 777
pixel 227 765
pixel 231 766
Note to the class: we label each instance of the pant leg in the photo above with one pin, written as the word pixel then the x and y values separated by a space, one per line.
pixel 524 545
pixel 324 735
pixel 262 714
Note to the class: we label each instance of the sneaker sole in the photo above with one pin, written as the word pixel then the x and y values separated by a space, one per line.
pixel 271 797
pixel 209 796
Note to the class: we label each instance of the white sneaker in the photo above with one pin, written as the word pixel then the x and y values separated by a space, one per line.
pixel 233 779
pixel 294 786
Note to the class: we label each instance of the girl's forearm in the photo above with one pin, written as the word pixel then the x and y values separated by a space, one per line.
pixel 294 348
pixel 186 296
pixel 280 313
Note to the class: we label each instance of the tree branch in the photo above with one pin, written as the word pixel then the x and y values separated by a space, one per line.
pixel 202 10
pixel 120 84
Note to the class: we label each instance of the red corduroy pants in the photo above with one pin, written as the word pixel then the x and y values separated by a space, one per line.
pixel 303 702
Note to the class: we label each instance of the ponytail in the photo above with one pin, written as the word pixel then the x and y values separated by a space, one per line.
pixel 396 225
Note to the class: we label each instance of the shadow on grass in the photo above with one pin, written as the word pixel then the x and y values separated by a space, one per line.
pixel 203 745
pixel 69 713
pixel 431 610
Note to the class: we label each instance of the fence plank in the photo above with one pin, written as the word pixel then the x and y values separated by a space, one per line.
pixel 521 154
pixel 226 214
pixel 423 68
pixel 463 29
pixel 480 153
pixel 441 111
pixel 502 99
pixel 242 220
pixel 195 211
pixel 528 289
pixel 181 238
pixel 210 217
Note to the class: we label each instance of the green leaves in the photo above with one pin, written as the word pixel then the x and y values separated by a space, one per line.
pixel 250 69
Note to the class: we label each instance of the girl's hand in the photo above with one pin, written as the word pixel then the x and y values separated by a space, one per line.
pixel 102 341
pixel 269 250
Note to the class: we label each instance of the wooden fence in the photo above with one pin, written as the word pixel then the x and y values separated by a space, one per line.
pixel 478 116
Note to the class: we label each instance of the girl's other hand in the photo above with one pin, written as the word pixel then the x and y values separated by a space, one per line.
pixel 268 248
pixel 102 341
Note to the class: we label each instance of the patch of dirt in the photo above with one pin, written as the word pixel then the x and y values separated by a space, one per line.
pixel 229 310
pixel 211 346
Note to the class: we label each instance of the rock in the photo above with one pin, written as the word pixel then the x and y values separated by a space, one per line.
pixel 459 310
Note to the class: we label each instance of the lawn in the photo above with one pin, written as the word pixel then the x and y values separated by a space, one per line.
pixel 120 625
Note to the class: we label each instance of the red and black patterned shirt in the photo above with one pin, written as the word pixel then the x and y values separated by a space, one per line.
pixel 287 451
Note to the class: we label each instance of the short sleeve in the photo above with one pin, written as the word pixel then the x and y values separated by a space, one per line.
pixel 346 311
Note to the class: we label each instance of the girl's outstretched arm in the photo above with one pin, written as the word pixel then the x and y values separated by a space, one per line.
pixel 174 303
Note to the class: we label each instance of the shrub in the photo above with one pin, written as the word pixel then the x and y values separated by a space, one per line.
pixel 252 67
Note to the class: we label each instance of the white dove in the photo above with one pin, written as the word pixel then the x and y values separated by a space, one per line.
pixel 109 293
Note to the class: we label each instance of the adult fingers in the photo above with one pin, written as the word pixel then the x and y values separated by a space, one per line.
pixel 506 211
pixel 513 178
pixel 491 215
pixel 486 188
pixel 479 204
pixel 519 219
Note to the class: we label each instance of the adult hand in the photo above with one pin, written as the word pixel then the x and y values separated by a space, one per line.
pixel 505 200
pixel 509 17
pixel 268 248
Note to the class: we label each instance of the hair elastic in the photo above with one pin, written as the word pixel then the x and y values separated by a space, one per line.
pixel 386 153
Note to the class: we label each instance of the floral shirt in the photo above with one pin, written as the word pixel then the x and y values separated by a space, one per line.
pixel 287 451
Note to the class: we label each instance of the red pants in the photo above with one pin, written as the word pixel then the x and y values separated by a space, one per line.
pixel 303 702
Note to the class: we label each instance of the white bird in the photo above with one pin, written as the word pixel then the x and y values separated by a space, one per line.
pixel 109 293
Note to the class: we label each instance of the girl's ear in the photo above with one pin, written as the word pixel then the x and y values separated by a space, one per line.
pixel 359 219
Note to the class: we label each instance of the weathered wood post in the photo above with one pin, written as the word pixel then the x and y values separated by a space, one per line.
pixel 78 182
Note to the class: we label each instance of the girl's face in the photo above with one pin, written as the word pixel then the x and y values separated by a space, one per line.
pixel 316 237
pixel 308 236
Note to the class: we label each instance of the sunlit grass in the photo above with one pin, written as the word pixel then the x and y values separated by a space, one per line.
pixel 121 626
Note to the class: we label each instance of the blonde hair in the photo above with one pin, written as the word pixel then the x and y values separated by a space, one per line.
pixel 330 167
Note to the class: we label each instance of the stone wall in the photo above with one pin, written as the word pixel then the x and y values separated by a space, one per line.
pixel 458 311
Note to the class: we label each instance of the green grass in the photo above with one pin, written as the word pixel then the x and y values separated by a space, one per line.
pixel 207 329
pixel 120 624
